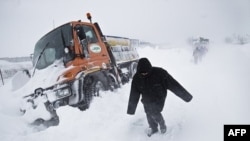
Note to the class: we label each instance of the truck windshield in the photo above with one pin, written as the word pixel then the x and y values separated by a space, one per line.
pixel 51 47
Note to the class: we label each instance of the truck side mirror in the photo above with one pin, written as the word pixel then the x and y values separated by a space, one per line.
pixel 80 32
pixel 66 50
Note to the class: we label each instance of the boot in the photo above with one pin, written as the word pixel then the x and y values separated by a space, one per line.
pixel 163 128
pixel 151 132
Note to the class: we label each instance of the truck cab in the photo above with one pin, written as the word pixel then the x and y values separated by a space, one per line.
pixel 77 43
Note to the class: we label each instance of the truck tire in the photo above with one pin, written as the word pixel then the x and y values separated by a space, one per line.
pixel 98 87
pixel 92 87
pixel 87 91
pixel 113 84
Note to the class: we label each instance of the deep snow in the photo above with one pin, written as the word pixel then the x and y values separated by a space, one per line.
pixel 219 84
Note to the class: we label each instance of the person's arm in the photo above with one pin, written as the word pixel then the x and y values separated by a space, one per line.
pixel 177 88
pixel 133 99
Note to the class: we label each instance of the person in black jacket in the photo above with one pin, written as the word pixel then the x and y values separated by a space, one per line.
pixel 151 84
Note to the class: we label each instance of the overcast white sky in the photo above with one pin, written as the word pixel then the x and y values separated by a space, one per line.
pixel 23 22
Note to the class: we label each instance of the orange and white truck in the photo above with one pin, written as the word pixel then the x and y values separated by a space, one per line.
pixel 92 63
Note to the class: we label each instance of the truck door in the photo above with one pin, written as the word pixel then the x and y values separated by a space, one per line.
pixel 95 54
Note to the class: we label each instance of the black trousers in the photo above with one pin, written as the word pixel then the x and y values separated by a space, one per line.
pixel 155 118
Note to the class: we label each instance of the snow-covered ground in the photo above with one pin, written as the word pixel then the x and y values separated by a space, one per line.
pixel 219 84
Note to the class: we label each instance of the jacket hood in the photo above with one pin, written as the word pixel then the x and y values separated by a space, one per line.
pixel 144 66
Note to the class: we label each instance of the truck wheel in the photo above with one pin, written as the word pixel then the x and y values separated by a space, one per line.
pixel 87 91
pixel 113 84
pixel 91 88
pixel 98 87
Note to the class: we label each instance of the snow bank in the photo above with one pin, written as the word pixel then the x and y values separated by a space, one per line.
pixel 219 84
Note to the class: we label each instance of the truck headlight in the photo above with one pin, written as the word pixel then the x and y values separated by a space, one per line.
pixel 60 93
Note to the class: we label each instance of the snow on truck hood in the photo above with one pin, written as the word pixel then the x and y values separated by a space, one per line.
pixel 43 78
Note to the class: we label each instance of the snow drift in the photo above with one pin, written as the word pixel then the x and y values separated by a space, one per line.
pixel 219 84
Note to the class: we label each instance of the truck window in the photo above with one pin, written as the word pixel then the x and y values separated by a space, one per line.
pixel 51 47
pixel 90 34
